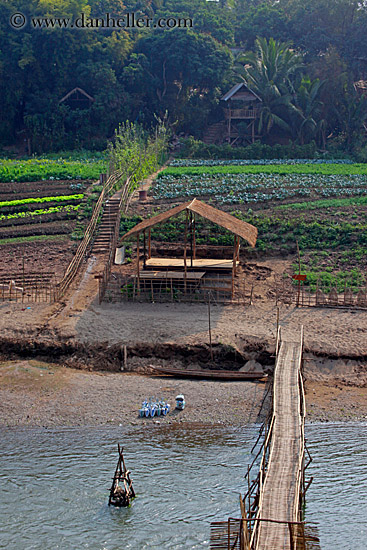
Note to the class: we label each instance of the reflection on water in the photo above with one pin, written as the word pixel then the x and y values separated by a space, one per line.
pixel 337 498
pixel 54 486
pixel 55 483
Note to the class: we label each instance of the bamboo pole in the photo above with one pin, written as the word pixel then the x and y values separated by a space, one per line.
pixel 234 264
pixel 194 236
pixel 149 244
pixel 23 277
pixel 145 251
pixel 299 272
pixel 191 242
pixel 210 329
pixel 185 253
pixel 138 262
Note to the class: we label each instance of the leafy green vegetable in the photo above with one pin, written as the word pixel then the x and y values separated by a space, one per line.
pixel 40 200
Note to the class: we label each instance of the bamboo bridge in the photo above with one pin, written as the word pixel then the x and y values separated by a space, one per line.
pixel 272 508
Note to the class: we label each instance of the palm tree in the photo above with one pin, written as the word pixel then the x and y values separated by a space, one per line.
pixel 355 118
pixel 269 72
pixel 308 122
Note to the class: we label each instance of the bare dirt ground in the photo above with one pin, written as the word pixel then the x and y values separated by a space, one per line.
pixel 335 342
pixel 34 393
pixel 52 255
pixel 338 332
pixel 39 394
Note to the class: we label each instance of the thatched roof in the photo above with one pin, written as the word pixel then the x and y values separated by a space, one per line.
pixel 240 91
pixel 76 91
pixel 232 224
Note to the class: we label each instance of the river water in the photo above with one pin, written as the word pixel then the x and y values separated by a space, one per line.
pixel 54 485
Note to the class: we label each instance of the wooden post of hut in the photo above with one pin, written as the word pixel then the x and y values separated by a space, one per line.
pixel 121 492
pixel 234 264
pixel 191 241
pixel 145 251
pixel 299 273
pixel 138 261
pixel 194 237
pixel 185 252
pixel 149 244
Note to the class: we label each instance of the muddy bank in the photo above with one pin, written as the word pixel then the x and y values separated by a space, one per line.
pixel 318 366
pixel 111 357
pixel 327 331
pixel 34 393
pixel 334 402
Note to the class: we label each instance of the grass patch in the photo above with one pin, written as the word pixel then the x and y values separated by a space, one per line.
pixel 41 200
pixel 70 209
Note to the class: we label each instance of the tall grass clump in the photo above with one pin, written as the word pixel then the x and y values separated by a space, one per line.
pixel 137 154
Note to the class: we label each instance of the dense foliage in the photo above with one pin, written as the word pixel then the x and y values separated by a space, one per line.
pixel 301 57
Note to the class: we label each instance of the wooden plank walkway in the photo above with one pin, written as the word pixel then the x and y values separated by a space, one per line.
pixel 279 497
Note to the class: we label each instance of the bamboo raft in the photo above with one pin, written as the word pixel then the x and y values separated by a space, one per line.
pixel 209 374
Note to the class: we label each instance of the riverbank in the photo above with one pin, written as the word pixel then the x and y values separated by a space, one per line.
pixel 33 393
pixel 39 394
pixel 327 331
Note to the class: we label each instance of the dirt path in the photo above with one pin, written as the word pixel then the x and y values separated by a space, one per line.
pixel 145 185
pixel 338 332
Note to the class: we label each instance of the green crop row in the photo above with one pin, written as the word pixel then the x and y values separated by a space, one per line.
pixel 41 200
pixel 255 188
pixel 46 169
pixel 326 203
pixel 325 281
pixel 283 169
pixel 41 212
pixel 243 162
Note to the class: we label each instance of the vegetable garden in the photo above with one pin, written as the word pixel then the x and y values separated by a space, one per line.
pixel 45 169
pixel 42 203
pixel 322 205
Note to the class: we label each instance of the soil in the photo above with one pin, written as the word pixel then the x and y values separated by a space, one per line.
pixel 42 345
pixel 33 393
pixel 59 227
pixel 49 188
pixel 54 255
pixel 335 361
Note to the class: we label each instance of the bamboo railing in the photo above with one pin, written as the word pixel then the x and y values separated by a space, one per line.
pixel 124 202
pixel 81 252
pixel 267 458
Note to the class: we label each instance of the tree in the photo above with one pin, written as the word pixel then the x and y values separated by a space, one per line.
pixel 309 123
pixel 181 65
pixel 269 72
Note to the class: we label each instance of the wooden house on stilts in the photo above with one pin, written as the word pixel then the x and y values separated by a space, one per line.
pixel 242 106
